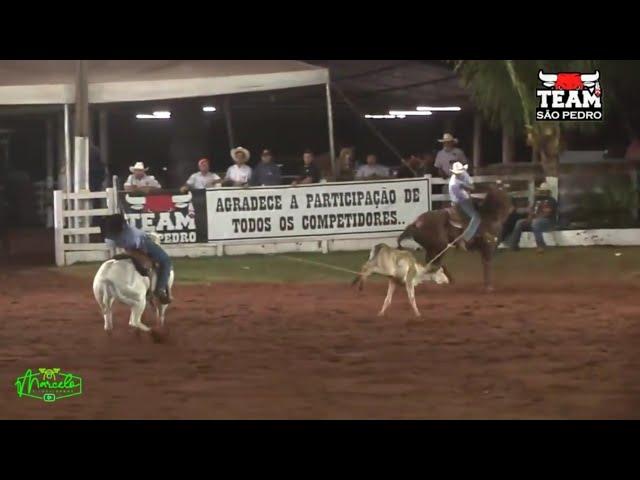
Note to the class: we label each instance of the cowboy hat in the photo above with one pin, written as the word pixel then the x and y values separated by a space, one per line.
pixel 138 166
pixel 447 137
pixel 240 149
pixel 544 186
pixel 458 168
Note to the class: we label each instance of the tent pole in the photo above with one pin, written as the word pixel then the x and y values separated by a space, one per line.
pixel 81 143
pixel 50 156
pixel 103 138
pixel 332 150
pixel 68 187
pixel 227 118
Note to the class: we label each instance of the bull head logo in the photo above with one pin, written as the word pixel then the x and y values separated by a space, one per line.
pixel 49 373
pixel 154 203
pixel 571 81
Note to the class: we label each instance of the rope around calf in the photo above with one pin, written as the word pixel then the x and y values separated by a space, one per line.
pixel 340 269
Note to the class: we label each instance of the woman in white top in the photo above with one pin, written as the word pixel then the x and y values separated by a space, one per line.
pixel 239 174
pixel 139 180
pixel 201 179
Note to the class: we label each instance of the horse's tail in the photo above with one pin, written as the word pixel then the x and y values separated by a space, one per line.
pixel 409 232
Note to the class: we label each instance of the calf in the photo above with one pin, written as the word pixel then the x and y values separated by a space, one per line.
pixel 400 267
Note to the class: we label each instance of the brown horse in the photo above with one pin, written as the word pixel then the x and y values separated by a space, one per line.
pixel 435 230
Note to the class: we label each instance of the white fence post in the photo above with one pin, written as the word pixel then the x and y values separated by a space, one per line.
pixel 58 225
pixel 111 207
pixel 532 191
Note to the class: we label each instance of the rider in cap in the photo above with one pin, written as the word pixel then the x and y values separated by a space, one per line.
pixel 118 233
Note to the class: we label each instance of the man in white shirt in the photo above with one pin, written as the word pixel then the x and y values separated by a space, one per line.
pixel 202 179
pixel 238 175
pixel 372 170
pixel 139 181
pixel 449 155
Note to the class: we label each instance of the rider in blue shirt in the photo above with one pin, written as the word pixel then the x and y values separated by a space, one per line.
pixel 460 184
pixel 118 233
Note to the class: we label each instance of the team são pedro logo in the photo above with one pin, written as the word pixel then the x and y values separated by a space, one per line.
pixel 569 97
pixel 171 215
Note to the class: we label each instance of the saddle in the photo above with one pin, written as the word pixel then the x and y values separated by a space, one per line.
pixel 458 219
pixel 144 265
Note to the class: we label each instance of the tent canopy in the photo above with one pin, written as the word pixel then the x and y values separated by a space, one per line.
pixel 33 82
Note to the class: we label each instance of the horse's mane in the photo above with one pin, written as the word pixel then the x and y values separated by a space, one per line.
pixel 496 204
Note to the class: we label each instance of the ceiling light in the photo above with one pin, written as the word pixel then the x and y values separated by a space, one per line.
pixel 438 109
pixel 409 112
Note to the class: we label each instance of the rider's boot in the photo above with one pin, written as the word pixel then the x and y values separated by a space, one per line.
pixel 164 296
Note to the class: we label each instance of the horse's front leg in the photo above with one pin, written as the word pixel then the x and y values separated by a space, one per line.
pixel 487 257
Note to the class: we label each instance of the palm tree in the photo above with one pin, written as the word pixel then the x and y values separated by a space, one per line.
pixel 503 91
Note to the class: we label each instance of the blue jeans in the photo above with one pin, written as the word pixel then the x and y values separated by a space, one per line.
pixel 537 226
pixel 469 208
pixel 157 253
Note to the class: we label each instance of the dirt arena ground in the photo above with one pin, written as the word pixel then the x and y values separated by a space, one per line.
pixel 552 342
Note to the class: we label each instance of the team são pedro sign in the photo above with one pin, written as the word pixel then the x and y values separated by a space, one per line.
pixel 328 209
pixel 177 217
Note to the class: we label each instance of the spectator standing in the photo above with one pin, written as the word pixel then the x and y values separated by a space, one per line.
pixel 266 172
pixel 202 179
pixel 238 175
pixel 139 181
pixel 541 219
pixel 309 173
pixel 372 170
pixel 449 155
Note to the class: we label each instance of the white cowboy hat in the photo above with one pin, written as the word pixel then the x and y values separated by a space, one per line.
pixel 544 186
pixel 447 137
pixel 240 149
pixel 458 168
pixel 138 166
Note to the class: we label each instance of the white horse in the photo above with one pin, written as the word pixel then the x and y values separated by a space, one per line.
pixel 119 280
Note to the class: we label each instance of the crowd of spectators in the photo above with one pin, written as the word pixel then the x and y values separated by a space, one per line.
pixel 267 172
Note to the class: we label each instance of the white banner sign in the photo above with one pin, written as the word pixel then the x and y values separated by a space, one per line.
pixel 347 210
